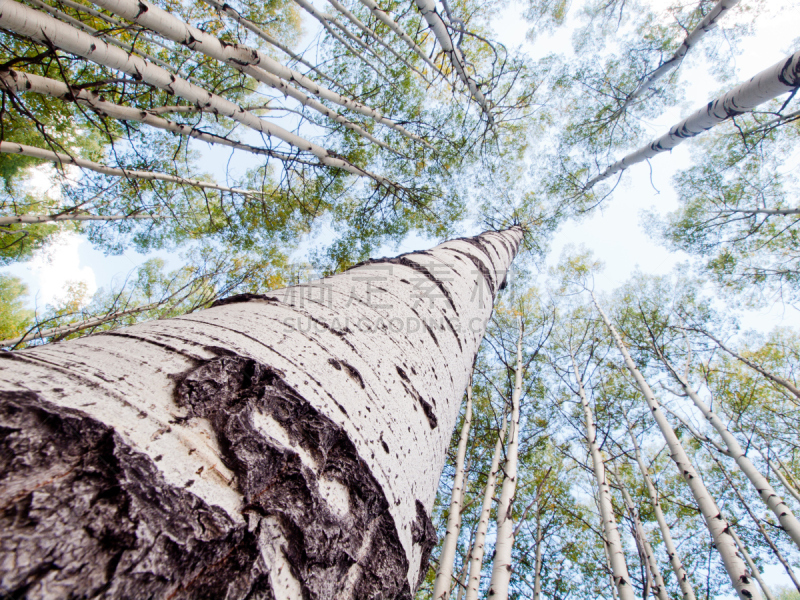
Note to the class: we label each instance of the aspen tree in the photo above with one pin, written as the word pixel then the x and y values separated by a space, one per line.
pixel 441 589
pixel 62 159
pixel 716 523
pixel 658 587
pixel 612 541
pixel 766 492
pixel 781 78
pixel 479 546
pixel 261 446
pixel 672 552
pixel 501 566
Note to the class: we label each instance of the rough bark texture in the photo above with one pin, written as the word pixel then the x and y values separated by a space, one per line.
pixel 272 446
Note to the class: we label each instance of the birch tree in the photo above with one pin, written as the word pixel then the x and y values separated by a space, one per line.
pixel 304 451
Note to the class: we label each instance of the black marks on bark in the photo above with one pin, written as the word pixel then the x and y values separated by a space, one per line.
pixel 428 410
pixel 349 369
pixel 424 535
pixel 248 297
pixel 455 333
pixel 480 267
pixel 83 513
pixel 320 544
pixel 426 406
pixel 402 373
pixel 435 280
pixel 428 327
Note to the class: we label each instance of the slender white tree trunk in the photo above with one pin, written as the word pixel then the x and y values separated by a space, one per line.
pixel 658 587
pixel 358 23
pixel 537 561
pixel 384 18
pixel 70 217
pixel 716 523
pixel 612 541
pixel 287 445
pixel 158 20
pixel 781 78
pixel 17 81
pixel 226 9
pixel 761 211
pixel 753 568
pixel 428 10
pixel 708 23
pixel 788 485
pixel 479 547
pixel 65 159
pixel 45 29
pixel 770 497
pixel 666 534
pixel 441 587
pixel 501 566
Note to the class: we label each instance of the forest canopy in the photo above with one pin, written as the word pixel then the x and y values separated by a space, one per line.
pixel 612 437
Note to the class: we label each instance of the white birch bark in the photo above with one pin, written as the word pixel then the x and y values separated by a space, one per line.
pixel 788 485
pixel 110 39
pixel 18 81
pixel 384 18
pixel 479 546
pixel 174 29
pixel 45 29
pixel 349 385
pixel 658 587
pixel 62 159
pixel 501 566
pixel 716 523
pixel 70 217
pixel 709 22
pixel 358 23
pixel 537 561
pixel 442 584
pixel 163 23
pixel 767 537
pixel 75 327
pixel 666 535
pixel 781 78
pixel 612 541
pixel 231 12
pixel 753 568
pixel 768 495
pixel 428 10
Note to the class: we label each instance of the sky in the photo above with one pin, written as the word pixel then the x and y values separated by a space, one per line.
pixel 614 233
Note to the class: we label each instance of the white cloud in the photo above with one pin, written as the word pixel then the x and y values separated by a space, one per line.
pixel 58 266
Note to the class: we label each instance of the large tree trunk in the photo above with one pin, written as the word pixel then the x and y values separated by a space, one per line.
pixel 278 446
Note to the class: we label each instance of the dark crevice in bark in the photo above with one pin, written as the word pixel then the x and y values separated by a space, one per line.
pixel 248 297
pixel 84 515
pixel 320 544
pixel 424 534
